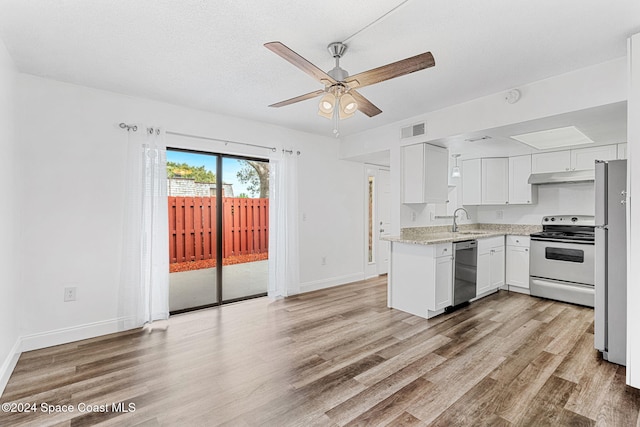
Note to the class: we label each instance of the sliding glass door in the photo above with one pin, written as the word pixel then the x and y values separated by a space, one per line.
pixel 246 229
pixel 218 228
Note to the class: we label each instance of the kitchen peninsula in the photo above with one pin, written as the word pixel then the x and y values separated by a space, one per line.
pixel 421 275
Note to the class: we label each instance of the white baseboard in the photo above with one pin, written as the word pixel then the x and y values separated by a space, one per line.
pixel 9 364
pixel 67 335
pixel 519 290
pixel 331 282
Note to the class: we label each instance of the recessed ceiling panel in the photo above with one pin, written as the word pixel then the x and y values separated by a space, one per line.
pixel 554 138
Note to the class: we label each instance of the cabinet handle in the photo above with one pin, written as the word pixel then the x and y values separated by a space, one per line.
pixel 445 250
pixel 526 250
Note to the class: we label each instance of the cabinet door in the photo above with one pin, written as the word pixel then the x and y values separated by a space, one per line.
pixel 495 181
pixel 585 158
pixel 518 266
pixel 444 282
pixel 556 161
pixel 436 174
pixel 497 267
pixel 483 278
pixel 472 182
pixel 413 173
pixel 520 191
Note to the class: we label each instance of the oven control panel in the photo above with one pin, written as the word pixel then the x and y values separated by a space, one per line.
pixel 568 220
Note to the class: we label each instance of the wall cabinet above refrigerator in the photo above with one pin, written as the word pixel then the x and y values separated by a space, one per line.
pixel 572 160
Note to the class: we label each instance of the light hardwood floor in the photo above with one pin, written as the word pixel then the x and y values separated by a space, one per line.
pixel 337 357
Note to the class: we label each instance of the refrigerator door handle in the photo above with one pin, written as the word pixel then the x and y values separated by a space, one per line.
pixel 600 303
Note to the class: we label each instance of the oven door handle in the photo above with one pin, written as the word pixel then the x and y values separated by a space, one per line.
pixel 571 242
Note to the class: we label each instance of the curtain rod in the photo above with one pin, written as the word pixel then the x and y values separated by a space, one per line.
pixel 134 128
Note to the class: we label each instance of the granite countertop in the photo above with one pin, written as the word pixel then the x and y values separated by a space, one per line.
pixel 443 234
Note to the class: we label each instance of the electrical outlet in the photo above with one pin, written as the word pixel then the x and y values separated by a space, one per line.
pixel 70 294
pixel 499 214
pixel 323 261
pixel 413 216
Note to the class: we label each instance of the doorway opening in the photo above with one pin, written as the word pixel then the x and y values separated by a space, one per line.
pixel 378 220
pixel 218 228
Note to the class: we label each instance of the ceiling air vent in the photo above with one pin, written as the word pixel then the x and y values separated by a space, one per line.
pixel 414 130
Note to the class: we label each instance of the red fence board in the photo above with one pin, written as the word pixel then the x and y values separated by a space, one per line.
pixel 192 227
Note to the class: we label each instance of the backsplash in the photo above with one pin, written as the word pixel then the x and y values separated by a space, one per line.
pixel 554 199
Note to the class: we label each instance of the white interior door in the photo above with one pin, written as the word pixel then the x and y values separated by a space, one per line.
pixel 383 214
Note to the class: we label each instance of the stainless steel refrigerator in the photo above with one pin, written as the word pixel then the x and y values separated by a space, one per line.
pixel 611 260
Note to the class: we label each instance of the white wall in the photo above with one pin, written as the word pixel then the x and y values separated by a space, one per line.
pixel 74 238
pixel 331 218
pixel 9 277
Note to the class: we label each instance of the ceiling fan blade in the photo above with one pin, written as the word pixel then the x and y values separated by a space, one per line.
pixel 297 60
pixel 364 105
pixel 390 71
pixel 298 98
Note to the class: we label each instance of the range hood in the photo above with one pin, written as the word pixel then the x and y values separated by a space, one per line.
pixel 562 177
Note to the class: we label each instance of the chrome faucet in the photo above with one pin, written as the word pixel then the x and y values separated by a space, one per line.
pixel 454 228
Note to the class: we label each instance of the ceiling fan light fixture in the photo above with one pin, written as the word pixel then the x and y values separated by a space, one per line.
pixel 327 105
pixel 348 106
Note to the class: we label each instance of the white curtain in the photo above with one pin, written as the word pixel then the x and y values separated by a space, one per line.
pixel 144 283
pixel 284 276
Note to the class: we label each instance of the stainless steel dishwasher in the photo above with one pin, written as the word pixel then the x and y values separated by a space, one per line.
pixel 465 266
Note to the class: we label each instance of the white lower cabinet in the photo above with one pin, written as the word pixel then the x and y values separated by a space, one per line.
pixel 518 262
pixel 444 283
pixel 491 260
pixel 421 278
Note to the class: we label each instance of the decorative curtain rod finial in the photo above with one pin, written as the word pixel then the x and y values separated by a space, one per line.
pixel 289 151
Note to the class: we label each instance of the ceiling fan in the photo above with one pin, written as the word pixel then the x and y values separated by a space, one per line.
pixel 340 88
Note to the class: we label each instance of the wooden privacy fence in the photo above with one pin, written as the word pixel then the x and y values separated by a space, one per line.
pixel 192 227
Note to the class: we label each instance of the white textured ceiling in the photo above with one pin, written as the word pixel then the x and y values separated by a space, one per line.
pixel 209 54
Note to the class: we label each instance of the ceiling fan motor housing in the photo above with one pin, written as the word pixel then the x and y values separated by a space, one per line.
pixel 337 49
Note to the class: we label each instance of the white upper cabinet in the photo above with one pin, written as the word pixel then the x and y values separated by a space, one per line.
pixel 585 158
pixel 556 161
pixel 572 160
pixel 495 181
pixel 424 174
pixel 520 191
pixel 485 181
pixel 412 173
pixel 472 182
